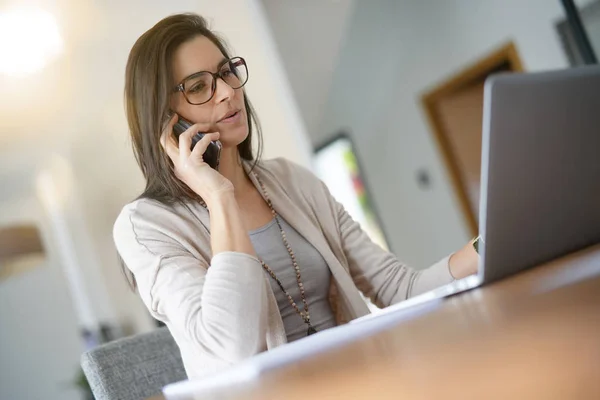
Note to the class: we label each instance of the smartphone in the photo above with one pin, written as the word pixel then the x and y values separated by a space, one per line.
pixel 212 155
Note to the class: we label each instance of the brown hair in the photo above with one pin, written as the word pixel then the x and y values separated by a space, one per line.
pixel 148 87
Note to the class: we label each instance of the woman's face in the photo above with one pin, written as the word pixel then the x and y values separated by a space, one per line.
pixel 200 54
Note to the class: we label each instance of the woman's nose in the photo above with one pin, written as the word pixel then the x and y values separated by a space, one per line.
pixel 223 91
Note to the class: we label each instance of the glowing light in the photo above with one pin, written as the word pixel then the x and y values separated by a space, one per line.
pixel 29 40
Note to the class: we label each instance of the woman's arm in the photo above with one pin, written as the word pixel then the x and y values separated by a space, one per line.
pixel 219 310
pixel 464 262
pixel 226 226
pixel 385 279
pixel 377 273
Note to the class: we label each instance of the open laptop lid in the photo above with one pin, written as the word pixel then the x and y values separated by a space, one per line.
pixel 540 175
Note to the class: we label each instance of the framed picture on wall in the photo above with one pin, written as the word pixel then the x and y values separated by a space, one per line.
pixel 336 164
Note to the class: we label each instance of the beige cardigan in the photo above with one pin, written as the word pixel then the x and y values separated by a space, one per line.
pixel 228 312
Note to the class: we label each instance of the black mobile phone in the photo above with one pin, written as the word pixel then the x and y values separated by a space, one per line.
pixel 212 155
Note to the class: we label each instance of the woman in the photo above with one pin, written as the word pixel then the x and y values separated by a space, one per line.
pixel 258 254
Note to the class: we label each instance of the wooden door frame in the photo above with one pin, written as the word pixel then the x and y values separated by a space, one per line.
pixel 506 55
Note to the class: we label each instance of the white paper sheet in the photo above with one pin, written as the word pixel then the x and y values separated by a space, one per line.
pixel 245 373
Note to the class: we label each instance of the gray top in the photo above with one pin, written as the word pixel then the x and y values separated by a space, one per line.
pixel 315 273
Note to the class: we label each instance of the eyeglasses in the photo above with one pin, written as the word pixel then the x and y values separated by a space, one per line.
pixel 200 87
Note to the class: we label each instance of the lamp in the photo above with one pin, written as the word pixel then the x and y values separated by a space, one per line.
pixel 21 249
pixel 29 39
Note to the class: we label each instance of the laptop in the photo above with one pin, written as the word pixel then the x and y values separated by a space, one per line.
pixel 540 173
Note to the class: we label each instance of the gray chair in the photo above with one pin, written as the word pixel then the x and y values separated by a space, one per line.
pixel 135 367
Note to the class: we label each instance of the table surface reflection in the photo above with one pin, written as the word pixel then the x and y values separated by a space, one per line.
pixel 535 335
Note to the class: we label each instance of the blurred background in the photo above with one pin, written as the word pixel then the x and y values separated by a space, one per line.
pixel 381 98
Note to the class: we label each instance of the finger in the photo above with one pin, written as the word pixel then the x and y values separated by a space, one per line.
pixel 167 140
pixel 185 141
pixel 203 144
pixel 168 129
pixel 171 148
pixel 171 122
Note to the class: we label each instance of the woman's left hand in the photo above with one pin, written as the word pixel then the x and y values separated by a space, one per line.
pixel 464 262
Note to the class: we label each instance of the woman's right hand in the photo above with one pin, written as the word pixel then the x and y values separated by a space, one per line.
pixel 189 165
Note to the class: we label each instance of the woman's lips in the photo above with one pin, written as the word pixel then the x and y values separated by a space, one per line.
pixel 232 118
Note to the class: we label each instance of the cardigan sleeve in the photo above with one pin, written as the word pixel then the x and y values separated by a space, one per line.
pixel 378 273
pixel 217 305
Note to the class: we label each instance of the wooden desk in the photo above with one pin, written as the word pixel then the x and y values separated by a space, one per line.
pixel 533 336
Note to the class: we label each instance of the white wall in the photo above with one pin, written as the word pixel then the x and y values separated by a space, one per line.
pixel 39 338
pixel 392 52
pixel 74 108
pixel 79 111
pixel 407 47
pixel 309 35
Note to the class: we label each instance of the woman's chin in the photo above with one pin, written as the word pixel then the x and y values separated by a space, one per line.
pixel 233 139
